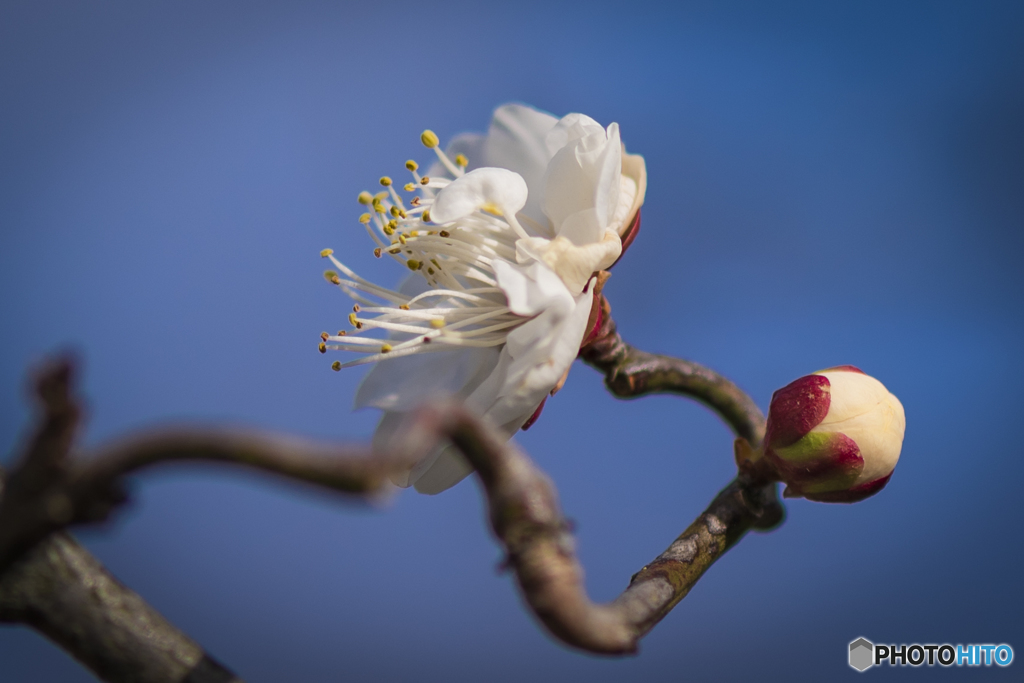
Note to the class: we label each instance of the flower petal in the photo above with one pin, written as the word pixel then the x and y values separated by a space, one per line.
pixel 403 383
pixel 574 264
pixel 581 185
pixel 516 141
pixel 529 289
pixel 495 190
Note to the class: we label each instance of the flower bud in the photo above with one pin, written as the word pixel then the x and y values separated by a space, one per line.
pixel 834 436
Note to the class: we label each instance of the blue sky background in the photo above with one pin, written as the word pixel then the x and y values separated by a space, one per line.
pixel 828 183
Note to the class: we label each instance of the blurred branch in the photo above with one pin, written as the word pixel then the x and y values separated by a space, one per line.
pixel 49 490
pixel 631 373
pixel 50 583
pixel 62 591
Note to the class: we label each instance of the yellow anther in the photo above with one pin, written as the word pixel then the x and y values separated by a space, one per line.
pixel 335 280
pixel 409 187
pixel 402 213
pixel 385 181
pixel 461 160
pixel 365 197
pixel 323 347
pixel 424 180
pixel 437 323
pixel 394 251
pixel 430 271
pixel 404 307
pixel 413 264
pixel 376 252
pixel 330 275
pixel 352 319
pixel 411 165
pixel 434 261
pixel 429 139
pixel 393 224
pixel 393 211
pixel 380 196
pixel 401 238
pixel 444 233
pixel 388 230
pixel 336 365
pixel 324 253
pixel 426 216
pixel 414 233
pixel 385 348
pixel 365 218
pixel 377 206
pixel 324 336
pixel 355 308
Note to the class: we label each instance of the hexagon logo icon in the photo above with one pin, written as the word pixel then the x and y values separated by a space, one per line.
pixel 862 654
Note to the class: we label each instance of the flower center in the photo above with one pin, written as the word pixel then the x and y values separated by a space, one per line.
pixel 461 304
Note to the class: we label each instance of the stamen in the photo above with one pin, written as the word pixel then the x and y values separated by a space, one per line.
pixel 429 139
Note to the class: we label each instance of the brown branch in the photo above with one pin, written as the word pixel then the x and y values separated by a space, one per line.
pixel 526 517
pixel 49 582
pixel 49 490
pixel 631 373
pixel 62 591
pixel 53 587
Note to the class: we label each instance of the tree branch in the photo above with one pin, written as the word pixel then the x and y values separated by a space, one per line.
pixel 49 490
pixel 631 373
pixel 55 586
pixel 526 518
pixel 63 592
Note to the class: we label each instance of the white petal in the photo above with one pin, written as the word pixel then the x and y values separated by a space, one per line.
pixel 864 410
pixel 496 190
pixel 583 178
pixel 444 471
pixel 851 394
pixel 541 351
pixel 569 128
pixel 390 424
pixel 574 265
pixel 632 190
pixel 529 289
pixel 516 141
pixel 403 383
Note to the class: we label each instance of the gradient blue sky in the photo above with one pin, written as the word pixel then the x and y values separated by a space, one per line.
pixel 829 183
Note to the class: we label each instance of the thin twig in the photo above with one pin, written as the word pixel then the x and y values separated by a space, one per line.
pixel 631 373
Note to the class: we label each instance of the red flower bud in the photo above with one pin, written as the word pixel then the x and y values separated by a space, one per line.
pixel 834 436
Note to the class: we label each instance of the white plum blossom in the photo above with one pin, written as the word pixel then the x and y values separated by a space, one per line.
pixel 504 236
